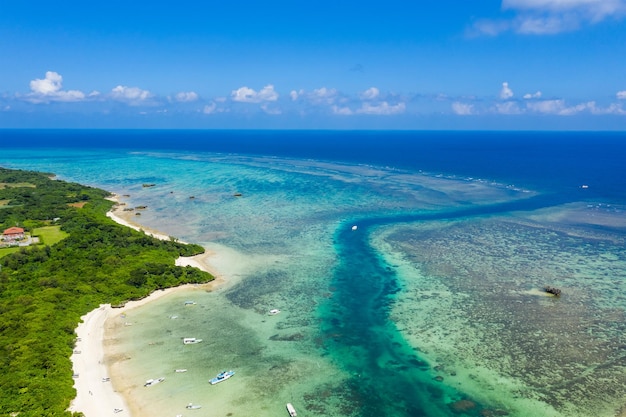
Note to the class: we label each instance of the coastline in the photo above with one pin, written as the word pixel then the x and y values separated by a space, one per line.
pixel 98 391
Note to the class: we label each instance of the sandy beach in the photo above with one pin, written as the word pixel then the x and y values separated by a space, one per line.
pixel 96 393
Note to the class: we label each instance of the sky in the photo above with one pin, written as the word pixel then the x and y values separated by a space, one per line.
pixel 341 64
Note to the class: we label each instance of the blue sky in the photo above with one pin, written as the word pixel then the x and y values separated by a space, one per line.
pixel 505 64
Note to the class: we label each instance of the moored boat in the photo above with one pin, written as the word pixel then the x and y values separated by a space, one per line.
pixel 222 376
pixel 191 340
pixel 291 410
pixel 152 382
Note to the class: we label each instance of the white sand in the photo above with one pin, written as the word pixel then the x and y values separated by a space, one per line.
pixel 95 393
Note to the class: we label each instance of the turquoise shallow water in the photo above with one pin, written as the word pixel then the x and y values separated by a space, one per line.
pixel 431 307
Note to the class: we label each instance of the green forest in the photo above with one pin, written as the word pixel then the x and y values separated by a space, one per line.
pixel 46 288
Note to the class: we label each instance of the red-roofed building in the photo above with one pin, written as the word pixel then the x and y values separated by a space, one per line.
pixel 13 233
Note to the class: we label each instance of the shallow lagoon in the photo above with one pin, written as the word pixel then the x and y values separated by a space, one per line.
pixel 419 311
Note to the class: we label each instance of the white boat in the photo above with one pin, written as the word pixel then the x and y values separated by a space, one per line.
pixel 180 370
pixel 274 311
pixel 192 406
pixel 354 227
pixel 191 340
pixel 292 411
pixel 190 303
pixel 222 376
pixel 152 382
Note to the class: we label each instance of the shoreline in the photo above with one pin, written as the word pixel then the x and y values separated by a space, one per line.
pixel 96 393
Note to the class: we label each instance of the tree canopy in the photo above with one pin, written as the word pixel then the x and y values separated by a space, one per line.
pixel 44 290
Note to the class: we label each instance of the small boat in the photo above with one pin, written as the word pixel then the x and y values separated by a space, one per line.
pixel 274 311
pixel 180 371
pixel 222 376
pixel 192 406
pixel 117 410
pixel 152 382
pixel 291 410
pixel 354 227
pixel 191 340
pixel 190 303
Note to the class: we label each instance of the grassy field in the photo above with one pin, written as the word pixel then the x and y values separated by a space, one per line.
pixel 7 251
pixel 49 235
pixel 16 185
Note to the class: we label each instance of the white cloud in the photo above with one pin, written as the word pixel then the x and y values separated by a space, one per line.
pixel 130 95
pixel 508 107
pixel 370 94
pixel 50 89
pixel 558 107
pixel 269 110
pixel 594 10
pixel 49 85
pixel 613 108
pixel 621 95
pixel 382 108
pixel 462 109
pixel 319 96
pixel 323 96
pixel 212 108
pixel 186 96
pixel 543 17
pixel 295 94
pixel 546 106
pixel 529 96
pixel 506 92
pixel 209 108
pixel 343 111
pixel 248 95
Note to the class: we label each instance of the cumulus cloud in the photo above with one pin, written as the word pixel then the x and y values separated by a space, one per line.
pixel 270 110
pixel 212 108
pixel 370 94
pixel 323 96
pixel 130 95
pixel 319 96
pixel 50 88
pixel 186 96
pixel 462 109
pixel 209 108
pixel 248 95
pixel 543 17
pixel 621 95
pixel 342 111
pixel 383 108
pixel 529 96
pixel 613 108
pixel 509 107
pixel 506 92
pixel 559 107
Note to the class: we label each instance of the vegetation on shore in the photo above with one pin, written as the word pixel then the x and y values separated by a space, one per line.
pixel 85 259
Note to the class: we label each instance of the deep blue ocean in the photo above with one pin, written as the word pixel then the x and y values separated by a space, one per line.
pixel 368 314
pixel 546 161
